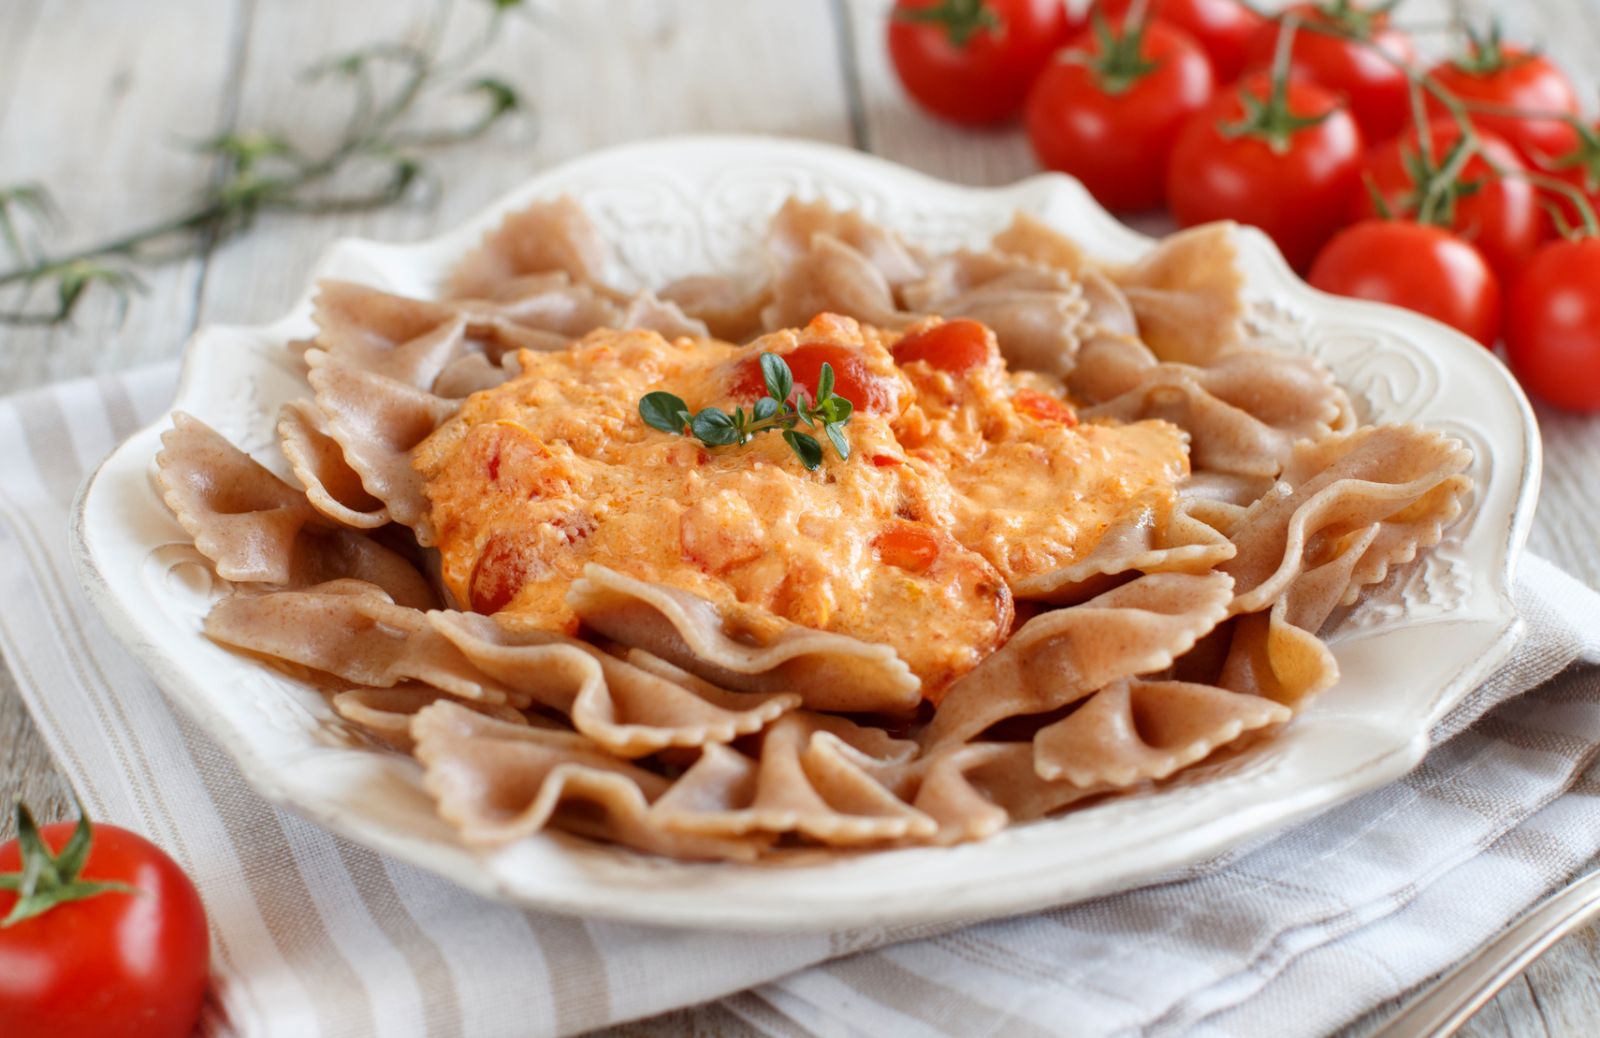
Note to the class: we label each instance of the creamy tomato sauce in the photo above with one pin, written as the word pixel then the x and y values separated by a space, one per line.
pixel 962 478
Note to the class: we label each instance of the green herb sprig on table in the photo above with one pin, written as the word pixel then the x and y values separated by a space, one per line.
pixel 380 147
pixel 782 409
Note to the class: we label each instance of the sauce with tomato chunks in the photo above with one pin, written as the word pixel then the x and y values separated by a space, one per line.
pixel 962 477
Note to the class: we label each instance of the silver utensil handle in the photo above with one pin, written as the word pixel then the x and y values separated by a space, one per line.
pixel 1451 1000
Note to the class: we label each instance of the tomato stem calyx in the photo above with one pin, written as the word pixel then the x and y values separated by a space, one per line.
pixel 47 879
pixel 1486 52
pixel 1119 63
pixel 1271 119
pixel 1361 23
pixel 961 19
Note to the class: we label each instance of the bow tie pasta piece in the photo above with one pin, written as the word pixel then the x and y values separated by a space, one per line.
pixel 831 277
pixel 974 790
pixel 650 312
pixel 552 235
pixel 385 713
pixel 1059 657
pixel 1400 475
pixel 729 308
pixel 1186 294
pixel 257 529
pixel 353 631
pixel 829 671
pixel 408 340
pixel 630 711
pixel 1032 239
pixel 812 776
pixel 796 226
pixel 1135 729
pixel 332 486
pixel 378 421
pixel 498 782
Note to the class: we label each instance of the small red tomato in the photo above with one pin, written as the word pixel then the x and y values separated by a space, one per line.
pixel 1110 116
pixel 972 61
pixel 852 379
pixel 1368 71
pixel 1498 214
pixel 953 346
pixel 109 938
pixel 1285 160
pixel 1419 267
pixel 1553 324
pixel 1499 75
pixel 1222 28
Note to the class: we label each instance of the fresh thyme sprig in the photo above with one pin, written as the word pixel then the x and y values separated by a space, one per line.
pixel 267 172
pixel 783 408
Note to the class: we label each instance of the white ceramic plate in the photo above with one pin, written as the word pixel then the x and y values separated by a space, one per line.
pixel 672 207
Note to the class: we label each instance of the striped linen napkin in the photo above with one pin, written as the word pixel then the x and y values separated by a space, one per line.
pixel 1298 934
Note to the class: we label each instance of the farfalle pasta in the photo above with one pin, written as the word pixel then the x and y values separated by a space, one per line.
pixel 1035 532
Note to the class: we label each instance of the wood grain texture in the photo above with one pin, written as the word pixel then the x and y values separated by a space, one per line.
pixel 130 81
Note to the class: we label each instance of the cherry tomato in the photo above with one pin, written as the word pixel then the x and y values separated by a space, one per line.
pixel 1269 167
pixel 972 61
pixel 954 346
pixel 1043 407
pixel 1374 86
pixel 907 545
pixel 1553 324
pixel 1222 28
pixel 1417 266
pixel 1110 119
pixel 1507 76
pixel 852 379
pixel 128 960
pixel 1500 215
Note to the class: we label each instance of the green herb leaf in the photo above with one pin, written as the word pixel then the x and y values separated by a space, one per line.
pixel 806 448
pixel 825 382
pixel 780 381
pixel 713 426
pixel 663 411
pixel 765 408
pixel 836 436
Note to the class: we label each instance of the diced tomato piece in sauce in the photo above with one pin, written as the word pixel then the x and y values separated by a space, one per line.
pixel 954 346
pixel 500 572
pixel 852 379
pixel 1044 407
pixel 908 546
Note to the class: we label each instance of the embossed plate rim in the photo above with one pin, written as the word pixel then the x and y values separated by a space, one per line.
pixel 373 799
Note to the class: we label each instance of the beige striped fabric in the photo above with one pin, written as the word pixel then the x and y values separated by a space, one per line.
pixel 315 936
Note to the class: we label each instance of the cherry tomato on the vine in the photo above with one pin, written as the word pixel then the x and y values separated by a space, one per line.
pixel 1553 324
pixel 1494 77
pixel 102 936
pixel 1222 28
pixel 1283 157
pixel 1110 116
pixel 1498 214
pixel 1364 64
pixel 972 61
pixel 1417 266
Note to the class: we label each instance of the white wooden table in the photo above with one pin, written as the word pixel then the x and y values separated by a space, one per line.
pixel 96 97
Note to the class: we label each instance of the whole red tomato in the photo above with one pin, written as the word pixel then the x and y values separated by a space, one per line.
pixel 972 61
pixel 1110 118
pixel 1367 71
pixel 1222 28
pixel 1417 266
pixel 111 943
pixel 1501 75
pixel 1553 324
pixel 1284 157
pixel 1500 215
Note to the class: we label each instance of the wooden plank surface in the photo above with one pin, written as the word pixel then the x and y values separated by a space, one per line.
pixel 94 94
